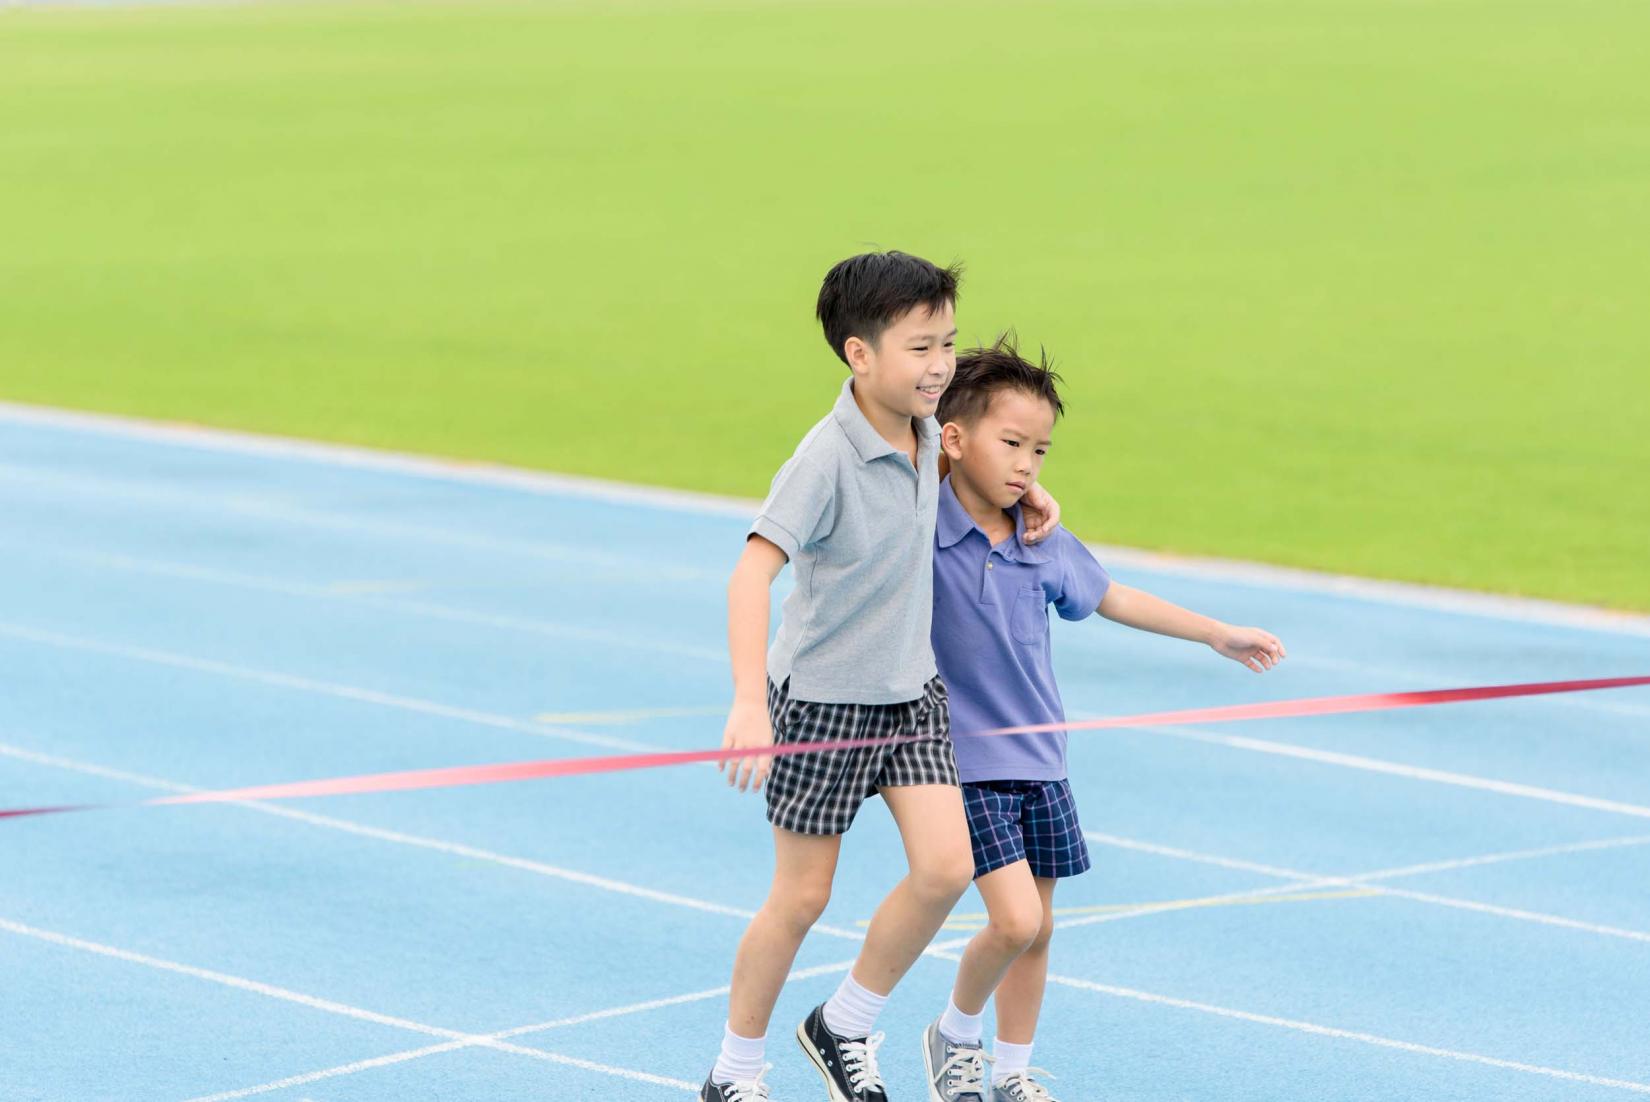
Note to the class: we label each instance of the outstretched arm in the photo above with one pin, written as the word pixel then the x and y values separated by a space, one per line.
pixel 748 613
pixel 1135 608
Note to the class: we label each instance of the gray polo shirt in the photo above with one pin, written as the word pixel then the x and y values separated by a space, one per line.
pixel 857 522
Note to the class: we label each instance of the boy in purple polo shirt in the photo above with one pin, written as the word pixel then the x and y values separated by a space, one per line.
pixel 991 641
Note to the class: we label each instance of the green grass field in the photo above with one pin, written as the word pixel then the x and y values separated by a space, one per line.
pixel 1358 285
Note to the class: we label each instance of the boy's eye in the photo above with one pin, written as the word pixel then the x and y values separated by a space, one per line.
pixel 1042 451
pixel 1012 443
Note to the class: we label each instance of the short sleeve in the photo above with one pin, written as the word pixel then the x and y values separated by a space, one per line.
pixel 800 509
pixel 1083 581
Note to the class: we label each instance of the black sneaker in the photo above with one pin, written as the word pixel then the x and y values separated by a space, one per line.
pixel 847 1064
pixel 746 1090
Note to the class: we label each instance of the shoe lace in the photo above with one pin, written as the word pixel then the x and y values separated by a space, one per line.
pixel 964 1071
pixel 749 1090
pixel 1025 1088
pixel 859 1060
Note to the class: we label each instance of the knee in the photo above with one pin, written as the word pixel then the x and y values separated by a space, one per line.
pixel 943 879
pixel 1045 931
pixel 1016 928
pixel 799 906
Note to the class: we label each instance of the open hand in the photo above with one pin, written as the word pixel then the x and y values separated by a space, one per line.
pixel 1257 649
pixel 748 728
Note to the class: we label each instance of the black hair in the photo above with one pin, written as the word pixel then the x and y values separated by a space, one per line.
pixel 983 372
pixel 865 294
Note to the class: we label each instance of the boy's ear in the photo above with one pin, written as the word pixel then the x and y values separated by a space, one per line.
pixel 951 440
pixel 858 354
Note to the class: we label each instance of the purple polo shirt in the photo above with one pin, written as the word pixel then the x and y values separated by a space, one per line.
pixel 991 638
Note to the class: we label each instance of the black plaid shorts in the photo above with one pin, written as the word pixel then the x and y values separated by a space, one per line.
pixel 1030 821
pixel 821 793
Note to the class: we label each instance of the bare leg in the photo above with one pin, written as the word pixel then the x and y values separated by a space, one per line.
pixel 1020 994
pixel 935 832
pixel 803 867
pixel 1014 911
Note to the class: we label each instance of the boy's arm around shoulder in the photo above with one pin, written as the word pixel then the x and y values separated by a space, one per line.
pixel 1257 649
pixel 749 609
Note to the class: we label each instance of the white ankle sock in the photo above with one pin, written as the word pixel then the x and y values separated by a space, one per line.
pixel 960 1028
pixel 1008 1058
pixel 741 1058
pixel 853 1010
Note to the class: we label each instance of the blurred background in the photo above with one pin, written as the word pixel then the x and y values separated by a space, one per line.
pixel 1356 285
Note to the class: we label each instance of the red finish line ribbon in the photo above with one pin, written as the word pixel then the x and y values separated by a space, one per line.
pixel 461 775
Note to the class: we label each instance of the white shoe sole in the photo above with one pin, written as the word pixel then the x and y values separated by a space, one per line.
pixel 813 1058
pixel 934 1094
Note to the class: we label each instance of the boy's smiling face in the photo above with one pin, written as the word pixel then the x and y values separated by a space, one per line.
pixel 999 456
pixel 909 366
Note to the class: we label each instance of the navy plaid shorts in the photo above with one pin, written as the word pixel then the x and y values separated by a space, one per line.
pixel 1031 821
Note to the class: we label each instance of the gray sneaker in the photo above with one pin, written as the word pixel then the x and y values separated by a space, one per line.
pixel 956 1073
pixel 1021 1087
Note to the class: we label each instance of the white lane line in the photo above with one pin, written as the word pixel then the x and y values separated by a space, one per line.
pixel 1119 842
pixel 333 1073
pixel 320 688
pixel 944 950
pixel 673 899
pixel 1394 769
pixel 1426 679
pixel 1347 1034
pixel 620 887
pixel 374 597
pixel 635 569
pixel 451 1046
pixel 326 1005
pixel 1387 593
pixel 321 453
pixel 455 849
pixel 370 599
pixel 1305 881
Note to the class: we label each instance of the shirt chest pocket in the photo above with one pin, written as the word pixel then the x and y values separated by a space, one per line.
pixel 1028 621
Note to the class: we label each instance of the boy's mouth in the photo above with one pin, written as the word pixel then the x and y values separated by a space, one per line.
pixel 932 391
pixel 1019 486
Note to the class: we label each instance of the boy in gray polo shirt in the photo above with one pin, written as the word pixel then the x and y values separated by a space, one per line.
pixel 991 639
pixel 853 512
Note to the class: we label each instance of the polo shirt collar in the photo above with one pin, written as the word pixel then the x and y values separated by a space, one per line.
pixel 867 442
pixel 953 523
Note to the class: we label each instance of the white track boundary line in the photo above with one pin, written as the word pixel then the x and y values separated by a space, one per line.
pixel 828 930
pixel 1297 877
pixel 1346 1034
pixel 455 849
pixel 1304 881
pixel 319 688
pixel 1429 679
pixel 1156 849
pixel 430 609
pixel 943 950
pixel 211 575
pixel 1521 609
pixel 451 1046
pixel 611 565
pixel 718 656
pixel 1393 769
pixel 327 1005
